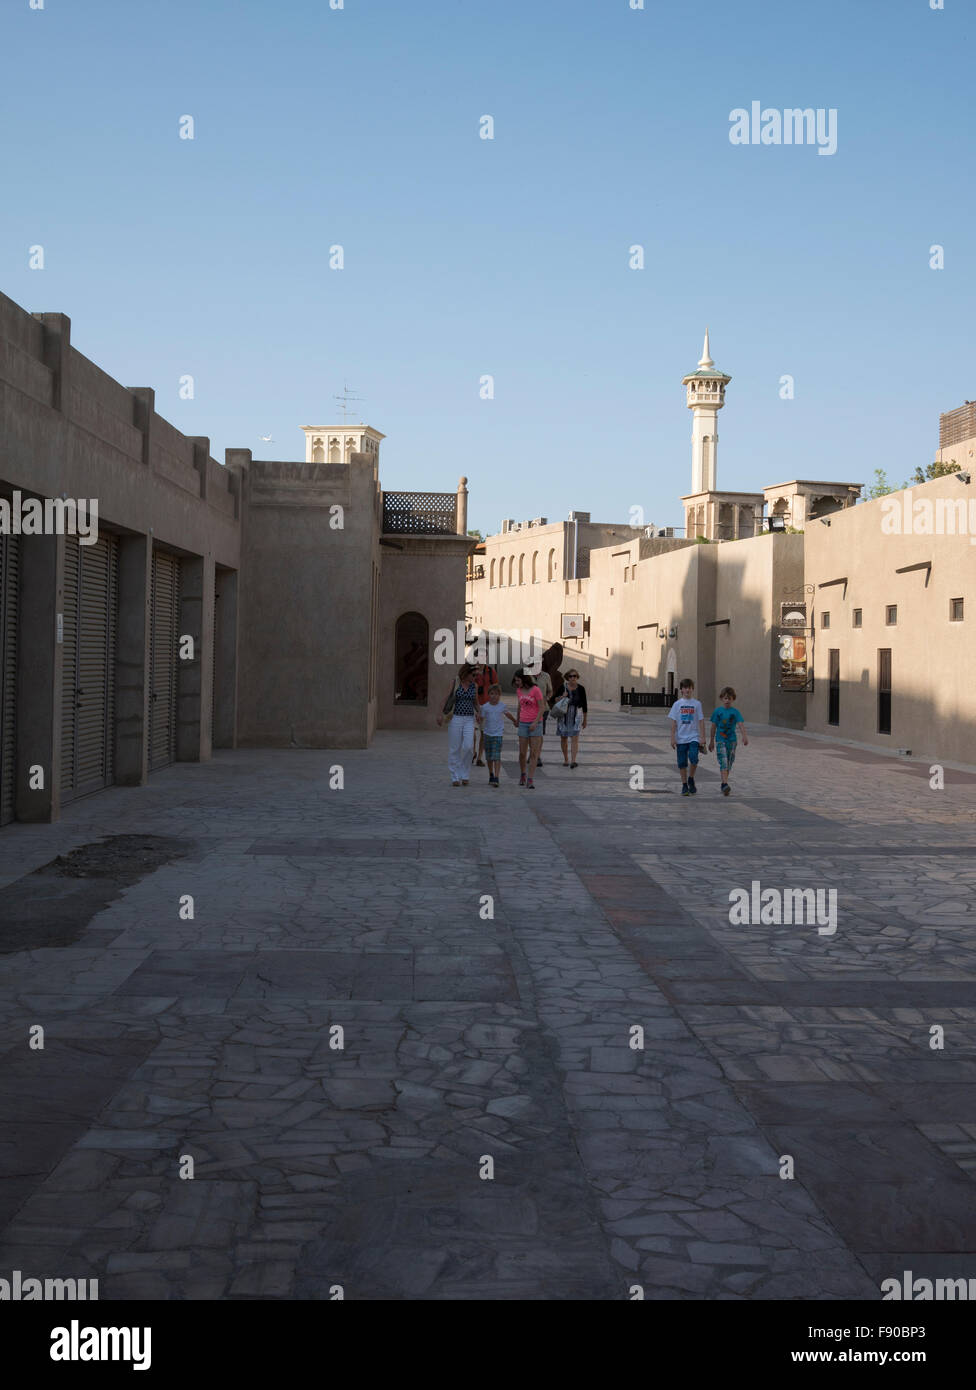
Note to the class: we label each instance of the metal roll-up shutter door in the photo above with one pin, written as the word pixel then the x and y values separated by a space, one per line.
pixel 88 701
pixel 69 663
pixel 95 736
pixel 9 601
pixel 213 673
pixel 164 638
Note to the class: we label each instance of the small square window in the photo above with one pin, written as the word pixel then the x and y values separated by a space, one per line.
pixel 955 610
pixel 891 614
pixel 856 618
pixel 825 620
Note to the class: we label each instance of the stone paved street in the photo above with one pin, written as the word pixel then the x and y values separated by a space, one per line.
pixel 469 1037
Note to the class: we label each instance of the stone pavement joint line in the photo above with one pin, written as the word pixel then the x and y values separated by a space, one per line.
pixel 395 1036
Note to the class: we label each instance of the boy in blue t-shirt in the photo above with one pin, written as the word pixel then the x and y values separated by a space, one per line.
pixel 725 718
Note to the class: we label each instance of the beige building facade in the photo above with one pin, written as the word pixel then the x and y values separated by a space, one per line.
pixel 155 604
pixel 892 584
pixel 652 610
pixel 841 617
pixel 118 641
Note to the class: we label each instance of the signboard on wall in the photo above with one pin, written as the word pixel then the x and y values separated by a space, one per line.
pixel 793 614
pixel 572 625
pixel 795 660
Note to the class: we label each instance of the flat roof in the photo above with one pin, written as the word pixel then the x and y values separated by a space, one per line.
pixel 337 428
pixel 809 482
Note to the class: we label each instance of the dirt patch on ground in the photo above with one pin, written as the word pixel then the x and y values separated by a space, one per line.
pixel 120 856
pixel 53 905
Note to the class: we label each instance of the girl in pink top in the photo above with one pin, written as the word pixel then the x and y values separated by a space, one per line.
pixel 531 703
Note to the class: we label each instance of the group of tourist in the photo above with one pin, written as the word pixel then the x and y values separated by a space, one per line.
pixel 474 706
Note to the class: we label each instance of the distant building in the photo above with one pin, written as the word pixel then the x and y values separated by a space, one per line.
pixel 823 614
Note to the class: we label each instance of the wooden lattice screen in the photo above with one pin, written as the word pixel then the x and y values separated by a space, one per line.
pixel 957 425
pixel 420 513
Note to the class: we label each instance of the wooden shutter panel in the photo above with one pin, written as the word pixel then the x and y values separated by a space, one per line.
pixel 88 665
pixel 95 726
pixel 9 608
pixel 164 638
pixel 69 662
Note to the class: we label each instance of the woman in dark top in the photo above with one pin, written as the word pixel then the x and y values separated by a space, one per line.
pixel 574 719
pixel 461 705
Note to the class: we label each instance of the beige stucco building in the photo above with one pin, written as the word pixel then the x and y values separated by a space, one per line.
pixel 651 610
pixel 892 586
pixel 341 585
pixel 169 604
pixel 841 617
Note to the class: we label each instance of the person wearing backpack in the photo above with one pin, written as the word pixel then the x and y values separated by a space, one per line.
pixel 463 710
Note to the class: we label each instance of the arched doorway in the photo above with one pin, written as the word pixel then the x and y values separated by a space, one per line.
pixel 410 659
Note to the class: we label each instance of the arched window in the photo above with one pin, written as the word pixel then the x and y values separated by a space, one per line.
pixel 511 569
pixel 521 569
pixel 334 451
pixel 318 451
pixel 552 565
pixel 491 574
pixel 535 567
pixel 410 659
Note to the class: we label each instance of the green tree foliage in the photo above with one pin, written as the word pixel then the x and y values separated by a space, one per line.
pixel 934 470
pixel 881 486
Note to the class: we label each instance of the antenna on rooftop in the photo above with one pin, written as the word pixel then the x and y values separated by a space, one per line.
pixel 345 400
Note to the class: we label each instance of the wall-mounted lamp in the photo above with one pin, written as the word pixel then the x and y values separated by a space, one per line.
pixel 824 521
pixel 964 477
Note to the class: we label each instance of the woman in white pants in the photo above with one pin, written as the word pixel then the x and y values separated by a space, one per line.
pixel 461 705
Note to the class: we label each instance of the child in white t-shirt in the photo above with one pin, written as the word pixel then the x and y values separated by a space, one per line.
pixel 687 734
pixel 493 713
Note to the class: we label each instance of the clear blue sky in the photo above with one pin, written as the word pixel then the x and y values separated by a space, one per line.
pixel 464 256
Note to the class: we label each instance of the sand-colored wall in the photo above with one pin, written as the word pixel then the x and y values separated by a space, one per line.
pixel 637 588
pixel 933 659
pixel 752 577
pixel 307 603
pixel 425 576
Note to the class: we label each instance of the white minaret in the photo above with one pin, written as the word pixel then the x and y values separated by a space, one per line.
pixel 706 396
